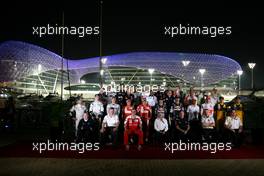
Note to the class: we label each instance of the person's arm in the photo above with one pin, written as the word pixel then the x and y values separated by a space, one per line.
pixel 201 110
pixel 91 108
pixel 178 128
pixel 166 125
pixel 117 123
pixel 101 108
pixel 188 128
pixel 138 108
pixel 125 124
pixel 140 124
pixel 204 123
pixel 72 113
pixel 107 108
pixel 212 123
pixel 80 125
pixel 240 126
pixel 156 125
pixel 72 108
pixel 103 125
pixel 118 109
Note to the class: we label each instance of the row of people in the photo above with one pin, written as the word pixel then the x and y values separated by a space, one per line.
pixel 133 126
pixel 171 106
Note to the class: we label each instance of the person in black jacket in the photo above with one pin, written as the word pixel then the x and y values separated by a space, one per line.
pixel 86 129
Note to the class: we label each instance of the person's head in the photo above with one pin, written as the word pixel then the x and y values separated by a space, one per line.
pixel 161 109
pixel 181 114
pixel 101 91
pixel 161 102
pixel 237 100
pixel 111 111
pixel 128 102
pixel 113 99
pixel 79 102
pixel 191 91
pixel 206 99
pixel 221 99
pixel 214 91
pixel 233 113
pixel 85 116
pixel 177 99
pixel 207 112
pixel 134 112
pixel 144 101
pixel 161 115
pixel 194 101
pixel 96 97
pixel 169 93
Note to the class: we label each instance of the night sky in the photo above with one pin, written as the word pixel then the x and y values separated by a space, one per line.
pixel 134 26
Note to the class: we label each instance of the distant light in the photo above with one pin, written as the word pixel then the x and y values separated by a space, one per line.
pixel 152 79
pixel 39 67
pixel 112 82
pixel 239 72
pixel 101 72
pixel 139 82
pixel 202 71
pixel 251 65
pixel 194 77
pixel 83 82
pixel 123 79
pixel 151 70
pixel 164 80
pixel 164 83
pixel 104 60
pixel 178 80
pixel 185 63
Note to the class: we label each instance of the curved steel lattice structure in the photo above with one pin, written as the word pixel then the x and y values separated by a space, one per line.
pixel 19 60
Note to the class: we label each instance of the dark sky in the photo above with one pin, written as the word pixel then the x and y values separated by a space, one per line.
pixel 135 26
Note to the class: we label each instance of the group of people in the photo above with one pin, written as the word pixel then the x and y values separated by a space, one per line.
pixel 158 117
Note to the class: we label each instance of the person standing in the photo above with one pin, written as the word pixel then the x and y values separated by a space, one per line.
pixel 78 110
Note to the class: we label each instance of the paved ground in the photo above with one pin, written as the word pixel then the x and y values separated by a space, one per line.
pixel 80 167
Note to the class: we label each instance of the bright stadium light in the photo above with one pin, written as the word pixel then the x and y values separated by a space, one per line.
pixel 185 63
pixel 239 73
pixel 151 70
pixel 101 72
pixel 82 82
pixel 104 60
pixel 39 67
pixel 251 66
pixel 202 71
